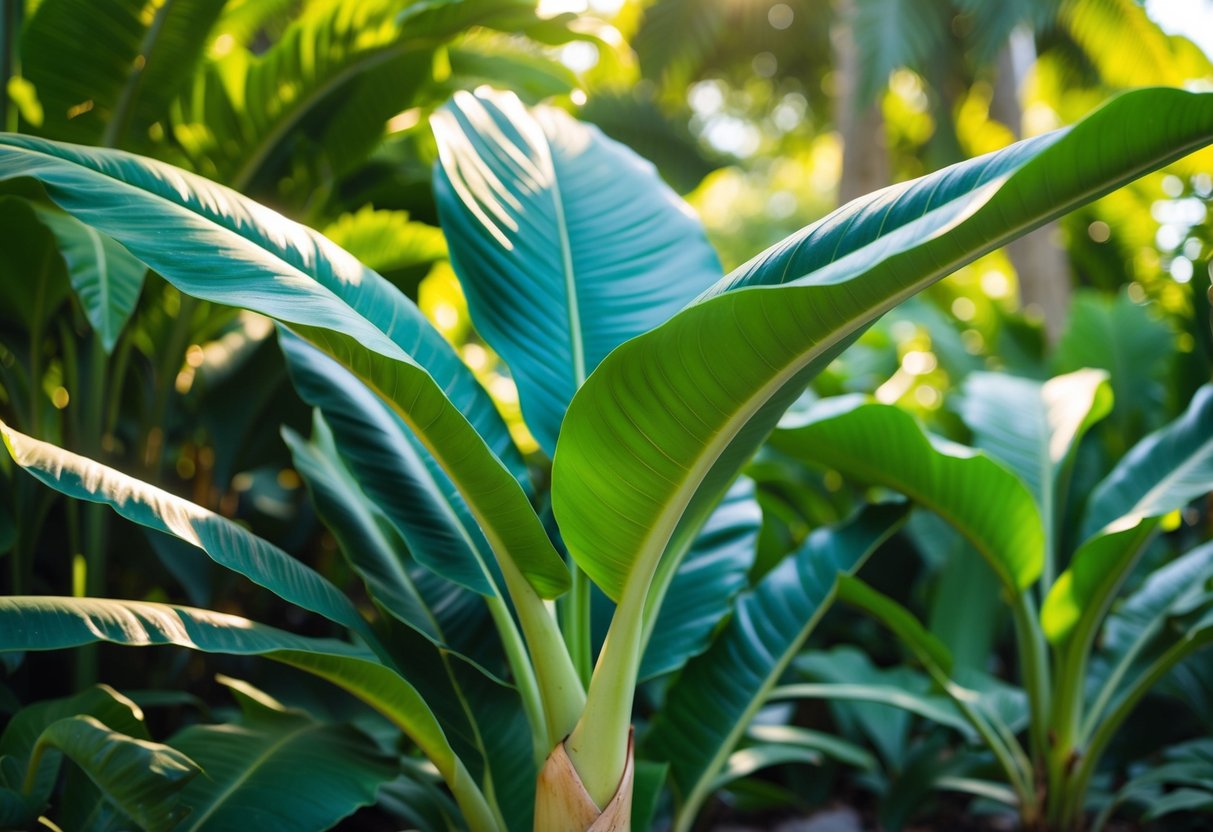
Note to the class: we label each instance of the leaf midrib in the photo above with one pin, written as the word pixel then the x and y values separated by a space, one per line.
pixel 196 822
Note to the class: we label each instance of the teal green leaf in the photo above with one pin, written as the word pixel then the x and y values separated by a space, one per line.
pixel 711 703
pixel 879 444
pixel 104 275
pixel 105 72
pixel 394 470
pixel 143 779
pixel 49 623
pixel 353 520
pixel 223 541
pixel 1135 624
pixel 1163 472
pixel 279 768
pixel 566 243
pixel 666 421
pixel 229 250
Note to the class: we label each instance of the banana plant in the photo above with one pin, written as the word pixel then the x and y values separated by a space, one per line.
pixel 649 378
pixel 1009 500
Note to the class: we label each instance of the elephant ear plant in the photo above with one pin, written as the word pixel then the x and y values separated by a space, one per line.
pixel 650 378
pixel 1009 500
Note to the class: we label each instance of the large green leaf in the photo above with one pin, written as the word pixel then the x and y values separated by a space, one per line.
pixel 666 421
pixel 107 71
pixel 713 700
pixel 882 445
pixel 106 278
pixel 1161 473
pixel 225 542
pixel 281 766
pixel 143 779
pixel 566 243
pixel 49 623
pixel 212 243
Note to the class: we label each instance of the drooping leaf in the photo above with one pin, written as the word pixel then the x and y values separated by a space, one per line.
pixel 214 244
pixel 566 243
pixel 278 767
pixel 1161 473
pixel 883 445
pixel 33 281
pixel 225 542
pixel 143 779
pixel 663 425
pixel 102 702
pixel 104 275
pixel 713 700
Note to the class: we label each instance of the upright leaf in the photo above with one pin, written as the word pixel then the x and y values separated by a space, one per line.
pixel 566 243
pixel 712 702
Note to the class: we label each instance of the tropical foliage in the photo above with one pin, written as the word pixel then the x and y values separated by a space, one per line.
pixel 570 562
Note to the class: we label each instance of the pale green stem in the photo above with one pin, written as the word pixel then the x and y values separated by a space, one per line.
pixel 576 622
pixel 524 675
pixel 598 746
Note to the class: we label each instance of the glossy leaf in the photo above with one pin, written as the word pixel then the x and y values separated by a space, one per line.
pixel 717 694
pixel 664 424
pixel 278 767
pixel 882 445
pixel 223 541
pixel 143 779
pixel 1161 473
pixel 394 470
pixel 566 243
pixel 104 275
pixel 230 250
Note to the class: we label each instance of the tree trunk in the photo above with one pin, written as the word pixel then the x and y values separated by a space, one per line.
pixel 1039 260
pixel 865 155
pixel 562 803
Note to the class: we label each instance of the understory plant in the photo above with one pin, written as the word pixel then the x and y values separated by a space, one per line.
pixel 649 377
pixel 1086 661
